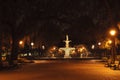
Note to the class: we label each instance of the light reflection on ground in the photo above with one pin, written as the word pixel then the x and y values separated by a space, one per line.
pixel 41 61
pixel 62 70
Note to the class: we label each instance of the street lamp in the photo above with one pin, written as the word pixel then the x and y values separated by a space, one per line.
pixel 113 34
pixel 99 43
pixel 21 42
pixel 32 44
pixel 93 47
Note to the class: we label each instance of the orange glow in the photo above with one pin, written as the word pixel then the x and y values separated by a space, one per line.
pixel 112 32
pixel 21 42
pixel 81 49
pixel 110 41
pixel 54 48
pixel 73 51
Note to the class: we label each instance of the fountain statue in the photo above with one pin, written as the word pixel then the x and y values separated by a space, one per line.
pixel 67 49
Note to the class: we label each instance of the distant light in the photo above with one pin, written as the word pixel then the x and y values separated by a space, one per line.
pixel 99 43
pixel 81 50
pixel 54 48
pixel 32 43
pixel 30 54
pixel 93 47
pixel 73 51
pixel 109 41
pixel 112 32
pixel 25 54
pixel 21 42
pixel 43 47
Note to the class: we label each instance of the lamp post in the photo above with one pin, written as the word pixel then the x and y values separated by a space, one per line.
pixel 32 44
pixel 21 43
pixel 113 50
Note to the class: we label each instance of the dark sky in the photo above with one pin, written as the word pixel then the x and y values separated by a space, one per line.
pixel 84 20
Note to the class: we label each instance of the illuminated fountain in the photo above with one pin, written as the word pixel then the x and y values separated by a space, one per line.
pixel 67 49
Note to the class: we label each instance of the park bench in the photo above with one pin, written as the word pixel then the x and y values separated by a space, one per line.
pixel 115 65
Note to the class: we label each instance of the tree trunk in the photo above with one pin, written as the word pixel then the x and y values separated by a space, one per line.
pixel 0 52
pixel 0 60
pixel 14 51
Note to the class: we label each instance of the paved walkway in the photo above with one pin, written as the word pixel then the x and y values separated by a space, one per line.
pixel 62 70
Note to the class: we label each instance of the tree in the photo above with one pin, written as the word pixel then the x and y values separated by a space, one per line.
pixel 13 19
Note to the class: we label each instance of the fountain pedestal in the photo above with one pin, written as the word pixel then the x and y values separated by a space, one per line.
pixel 67 52
pixel 67 49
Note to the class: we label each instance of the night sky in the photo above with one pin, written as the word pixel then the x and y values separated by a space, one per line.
pixel 85 21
